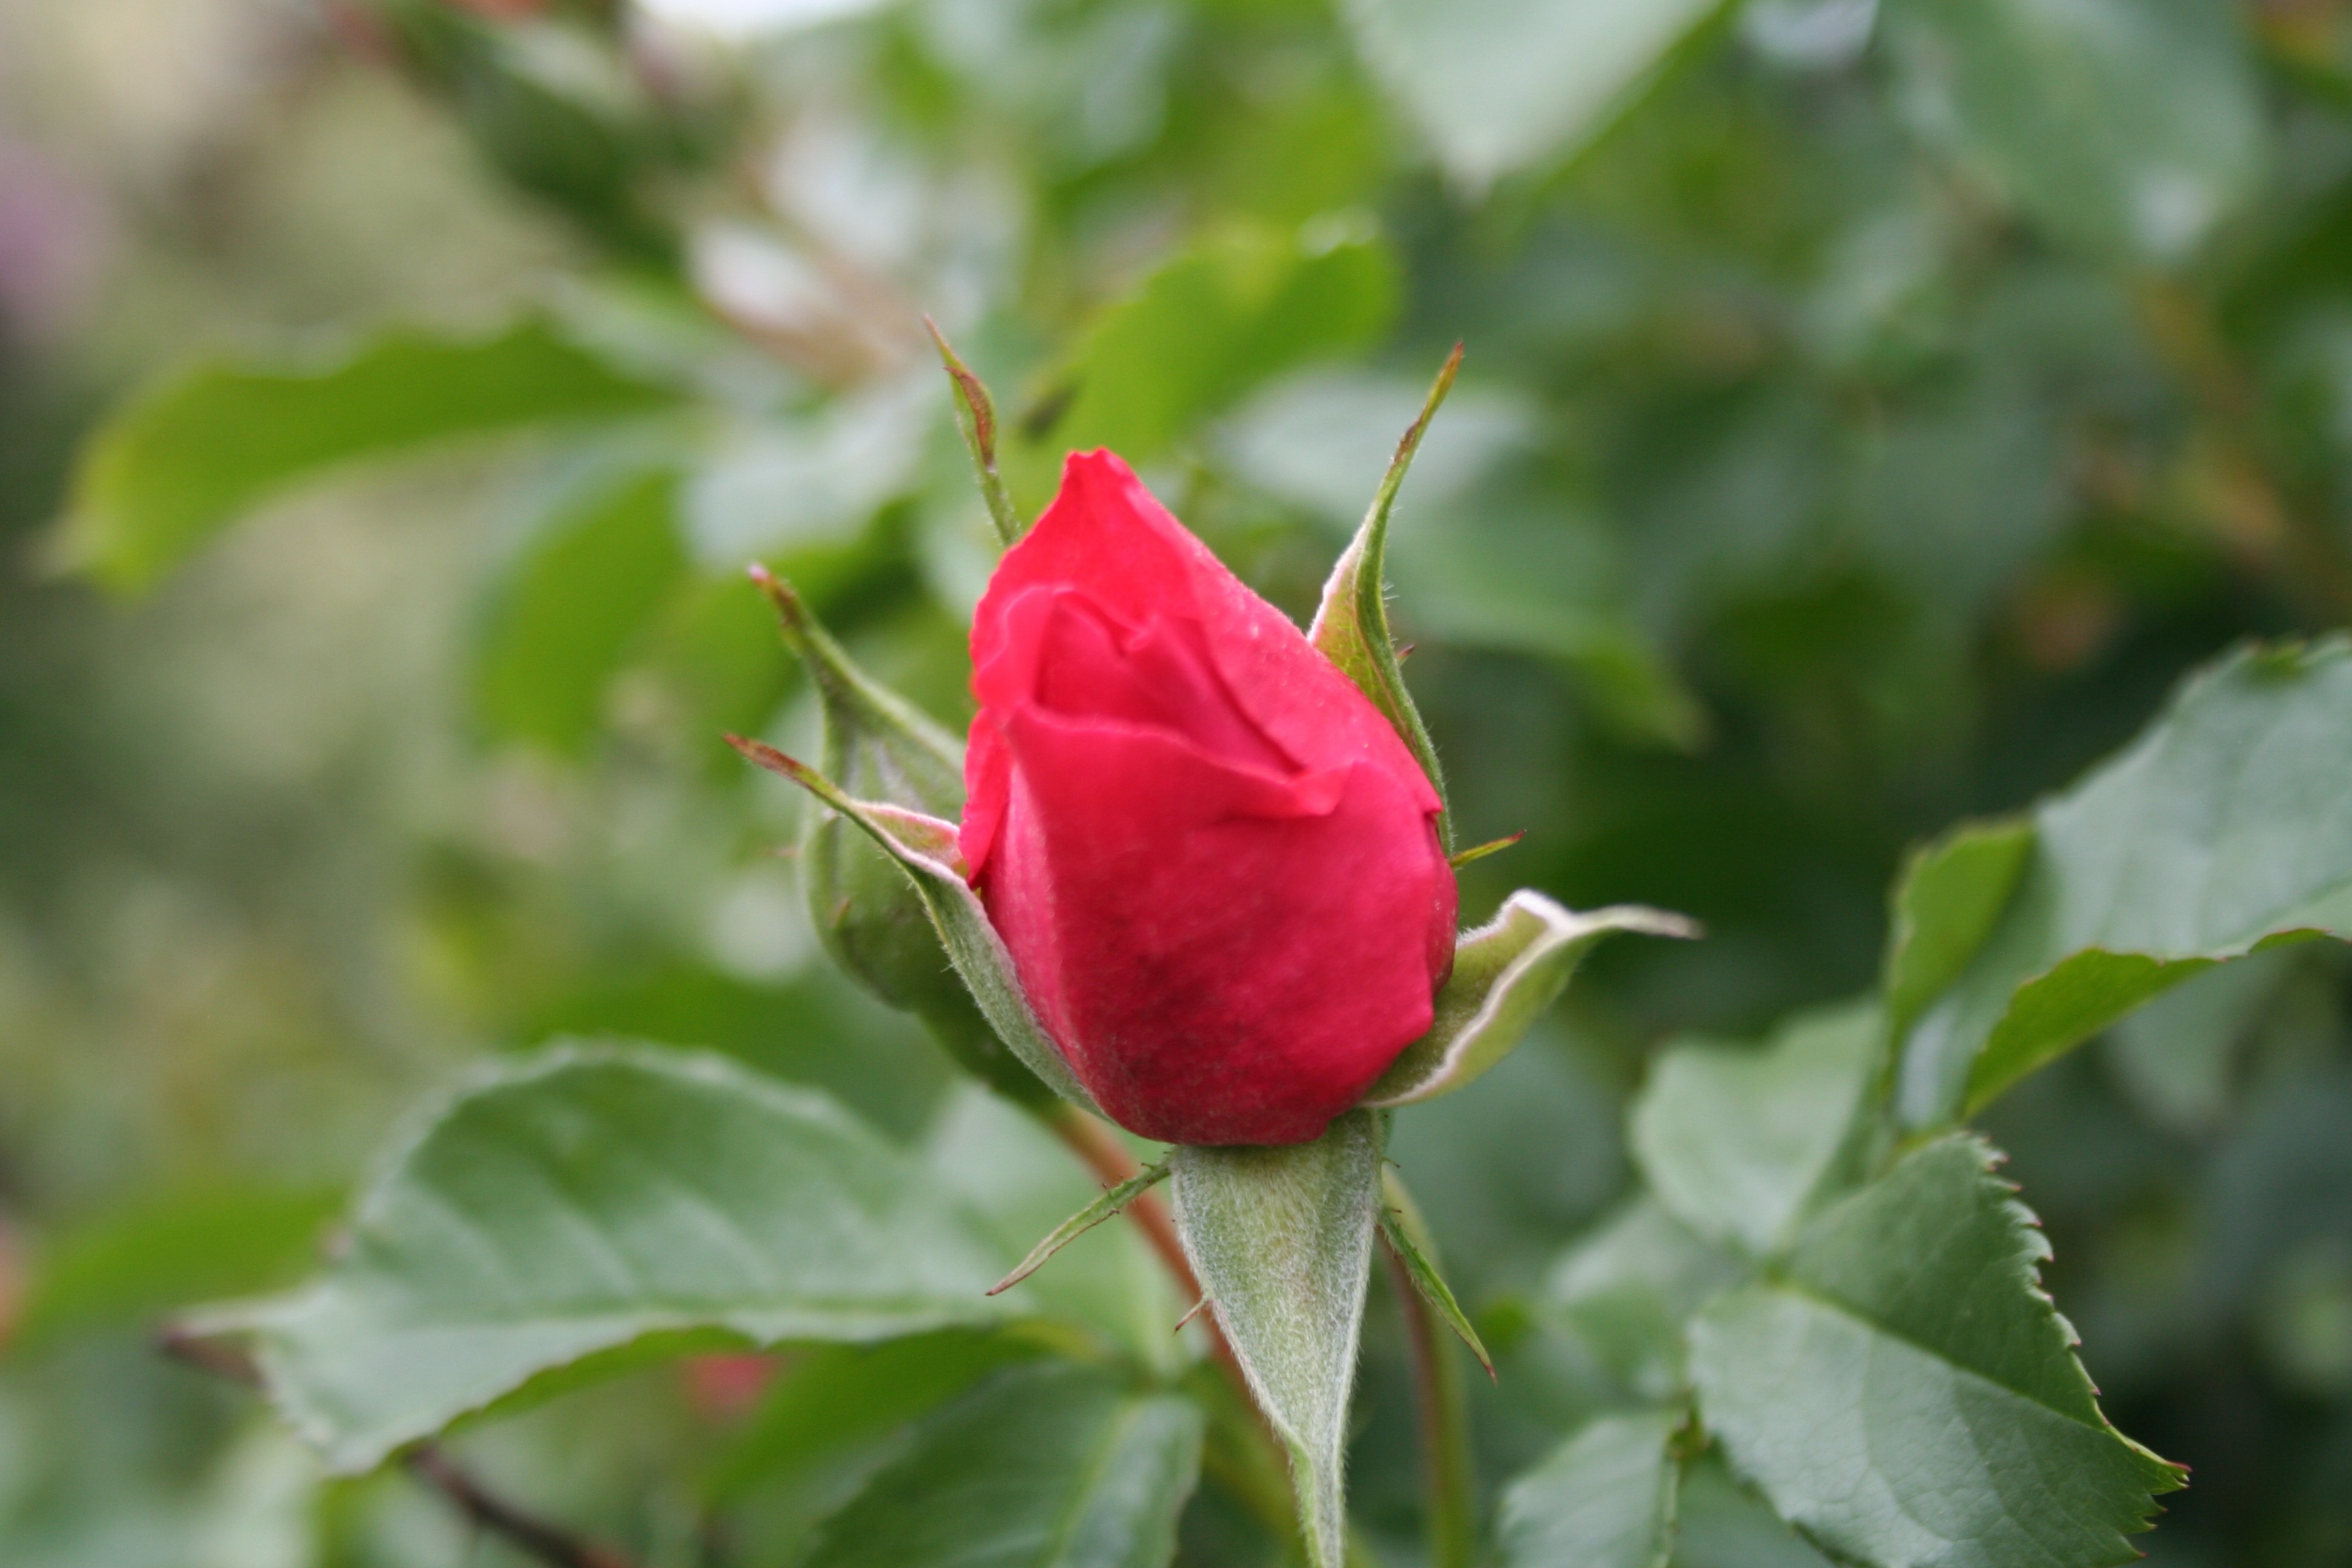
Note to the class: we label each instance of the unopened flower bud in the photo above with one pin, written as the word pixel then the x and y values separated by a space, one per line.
pixel 1215 863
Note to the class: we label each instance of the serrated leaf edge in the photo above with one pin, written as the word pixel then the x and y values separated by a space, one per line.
pixel 2032 1249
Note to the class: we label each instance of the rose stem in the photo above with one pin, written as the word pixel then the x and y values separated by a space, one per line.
pixel 1446 1463
pixel 527 1533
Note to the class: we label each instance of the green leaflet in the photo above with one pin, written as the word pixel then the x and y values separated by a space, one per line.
pixel 583 1199
pixel 925 849
pixel 2224 828
pixel 1053 1465
pixel 1736 1141
pixel 1352 624
pixel 1497 85
pixel 1506 973
pixel 213 441
pixel 1281 1239
pixel 1907 1394
pixel 1605 1499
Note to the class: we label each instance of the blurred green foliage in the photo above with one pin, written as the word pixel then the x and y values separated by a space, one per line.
pixel 1871 409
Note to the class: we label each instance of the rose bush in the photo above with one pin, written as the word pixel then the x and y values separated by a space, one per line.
pixel 1215 863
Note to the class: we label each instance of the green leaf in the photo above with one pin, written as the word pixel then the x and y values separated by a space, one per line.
pixel 583 1199
pixel 1352 624
pixel 2050 100
pixel 1111 1201
pixel 1907 1394
pixel 566 617
pixel 1719 1524
pixel 1246 303
pixel 172 1251
pixel 1281 1239
pixel 1628 1288
pixel 925 848
pixel 217 439
pixel 1506 973
pixel 1496 85
pixel 1049 1466
pixel 1946 902
pixel 1604 1498
pixel 1736 1141
pixel 2224 827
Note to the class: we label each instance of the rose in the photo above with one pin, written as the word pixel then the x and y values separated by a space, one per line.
pixel 1214 862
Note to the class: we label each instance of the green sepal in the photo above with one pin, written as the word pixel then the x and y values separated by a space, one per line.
pixel 1351 625
pixel 1408 1237
pixel 1281 1239
pixel 1109 1202
pixel 872 921
pixel 1506 973
pixel 925 849
pixel 976 418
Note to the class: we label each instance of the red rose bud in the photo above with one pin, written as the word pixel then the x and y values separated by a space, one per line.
pixel 1214 862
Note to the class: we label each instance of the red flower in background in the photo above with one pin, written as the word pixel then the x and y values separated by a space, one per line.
pixel 1213 861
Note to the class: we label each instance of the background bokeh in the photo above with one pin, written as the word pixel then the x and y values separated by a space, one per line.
pixel 1872 407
